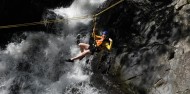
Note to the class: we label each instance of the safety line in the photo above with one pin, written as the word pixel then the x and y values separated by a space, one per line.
pixel 109 8
pixel 29 24
pixel 60 20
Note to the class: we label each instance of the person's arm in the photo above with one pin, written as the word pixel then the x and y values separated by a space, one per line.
pixel 108 45
pixel 94 30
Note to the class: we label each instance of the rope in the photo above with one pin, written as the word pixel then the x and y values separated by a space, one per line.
pixel 29 24
pixel 109 8
pixel 59 20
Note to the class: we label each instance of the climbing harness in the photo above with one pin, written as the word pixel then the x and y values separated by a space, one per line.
pixel 59 20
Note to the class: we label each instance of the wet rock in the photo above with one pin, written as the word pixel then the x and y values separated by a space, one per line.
pixel 180 74
pixel 157 42
pixel 181 3
pixel 22 11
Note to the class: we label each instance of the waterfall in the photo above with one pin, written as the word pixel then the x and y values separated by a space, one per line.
pixel 79 8
pixel 35 64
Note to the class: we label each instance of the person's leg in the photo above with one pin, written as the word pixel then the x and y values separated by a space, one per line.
pixel 84 51
pixel 83 46
pixel 81 55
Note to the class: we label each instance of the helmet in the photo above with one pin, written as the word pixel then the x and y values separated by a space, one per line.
pixel 104 32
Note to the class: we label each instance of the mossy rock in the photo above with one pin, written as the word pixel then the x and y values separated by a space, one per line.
pixel 188 1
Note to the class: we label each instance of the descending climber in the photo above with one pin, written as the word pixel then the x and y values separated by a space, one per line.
pixel 101 43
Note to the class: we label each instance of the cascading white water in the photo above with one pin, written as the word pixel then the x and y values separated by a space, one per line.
pixel 35 65
pixel 79 8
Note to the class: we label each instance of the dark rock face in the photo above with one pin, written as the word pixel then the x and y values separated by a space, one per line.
pixel 24 11
pixel 152 42
pixel 14 12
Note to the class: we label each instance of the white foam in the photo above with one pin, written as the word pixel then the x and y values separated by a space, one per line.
pixel 79 8
pixel 53 45
pixel 16 49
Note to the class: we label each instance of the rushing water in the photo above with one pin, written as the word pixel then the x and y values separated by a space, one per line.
pixel 35 64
